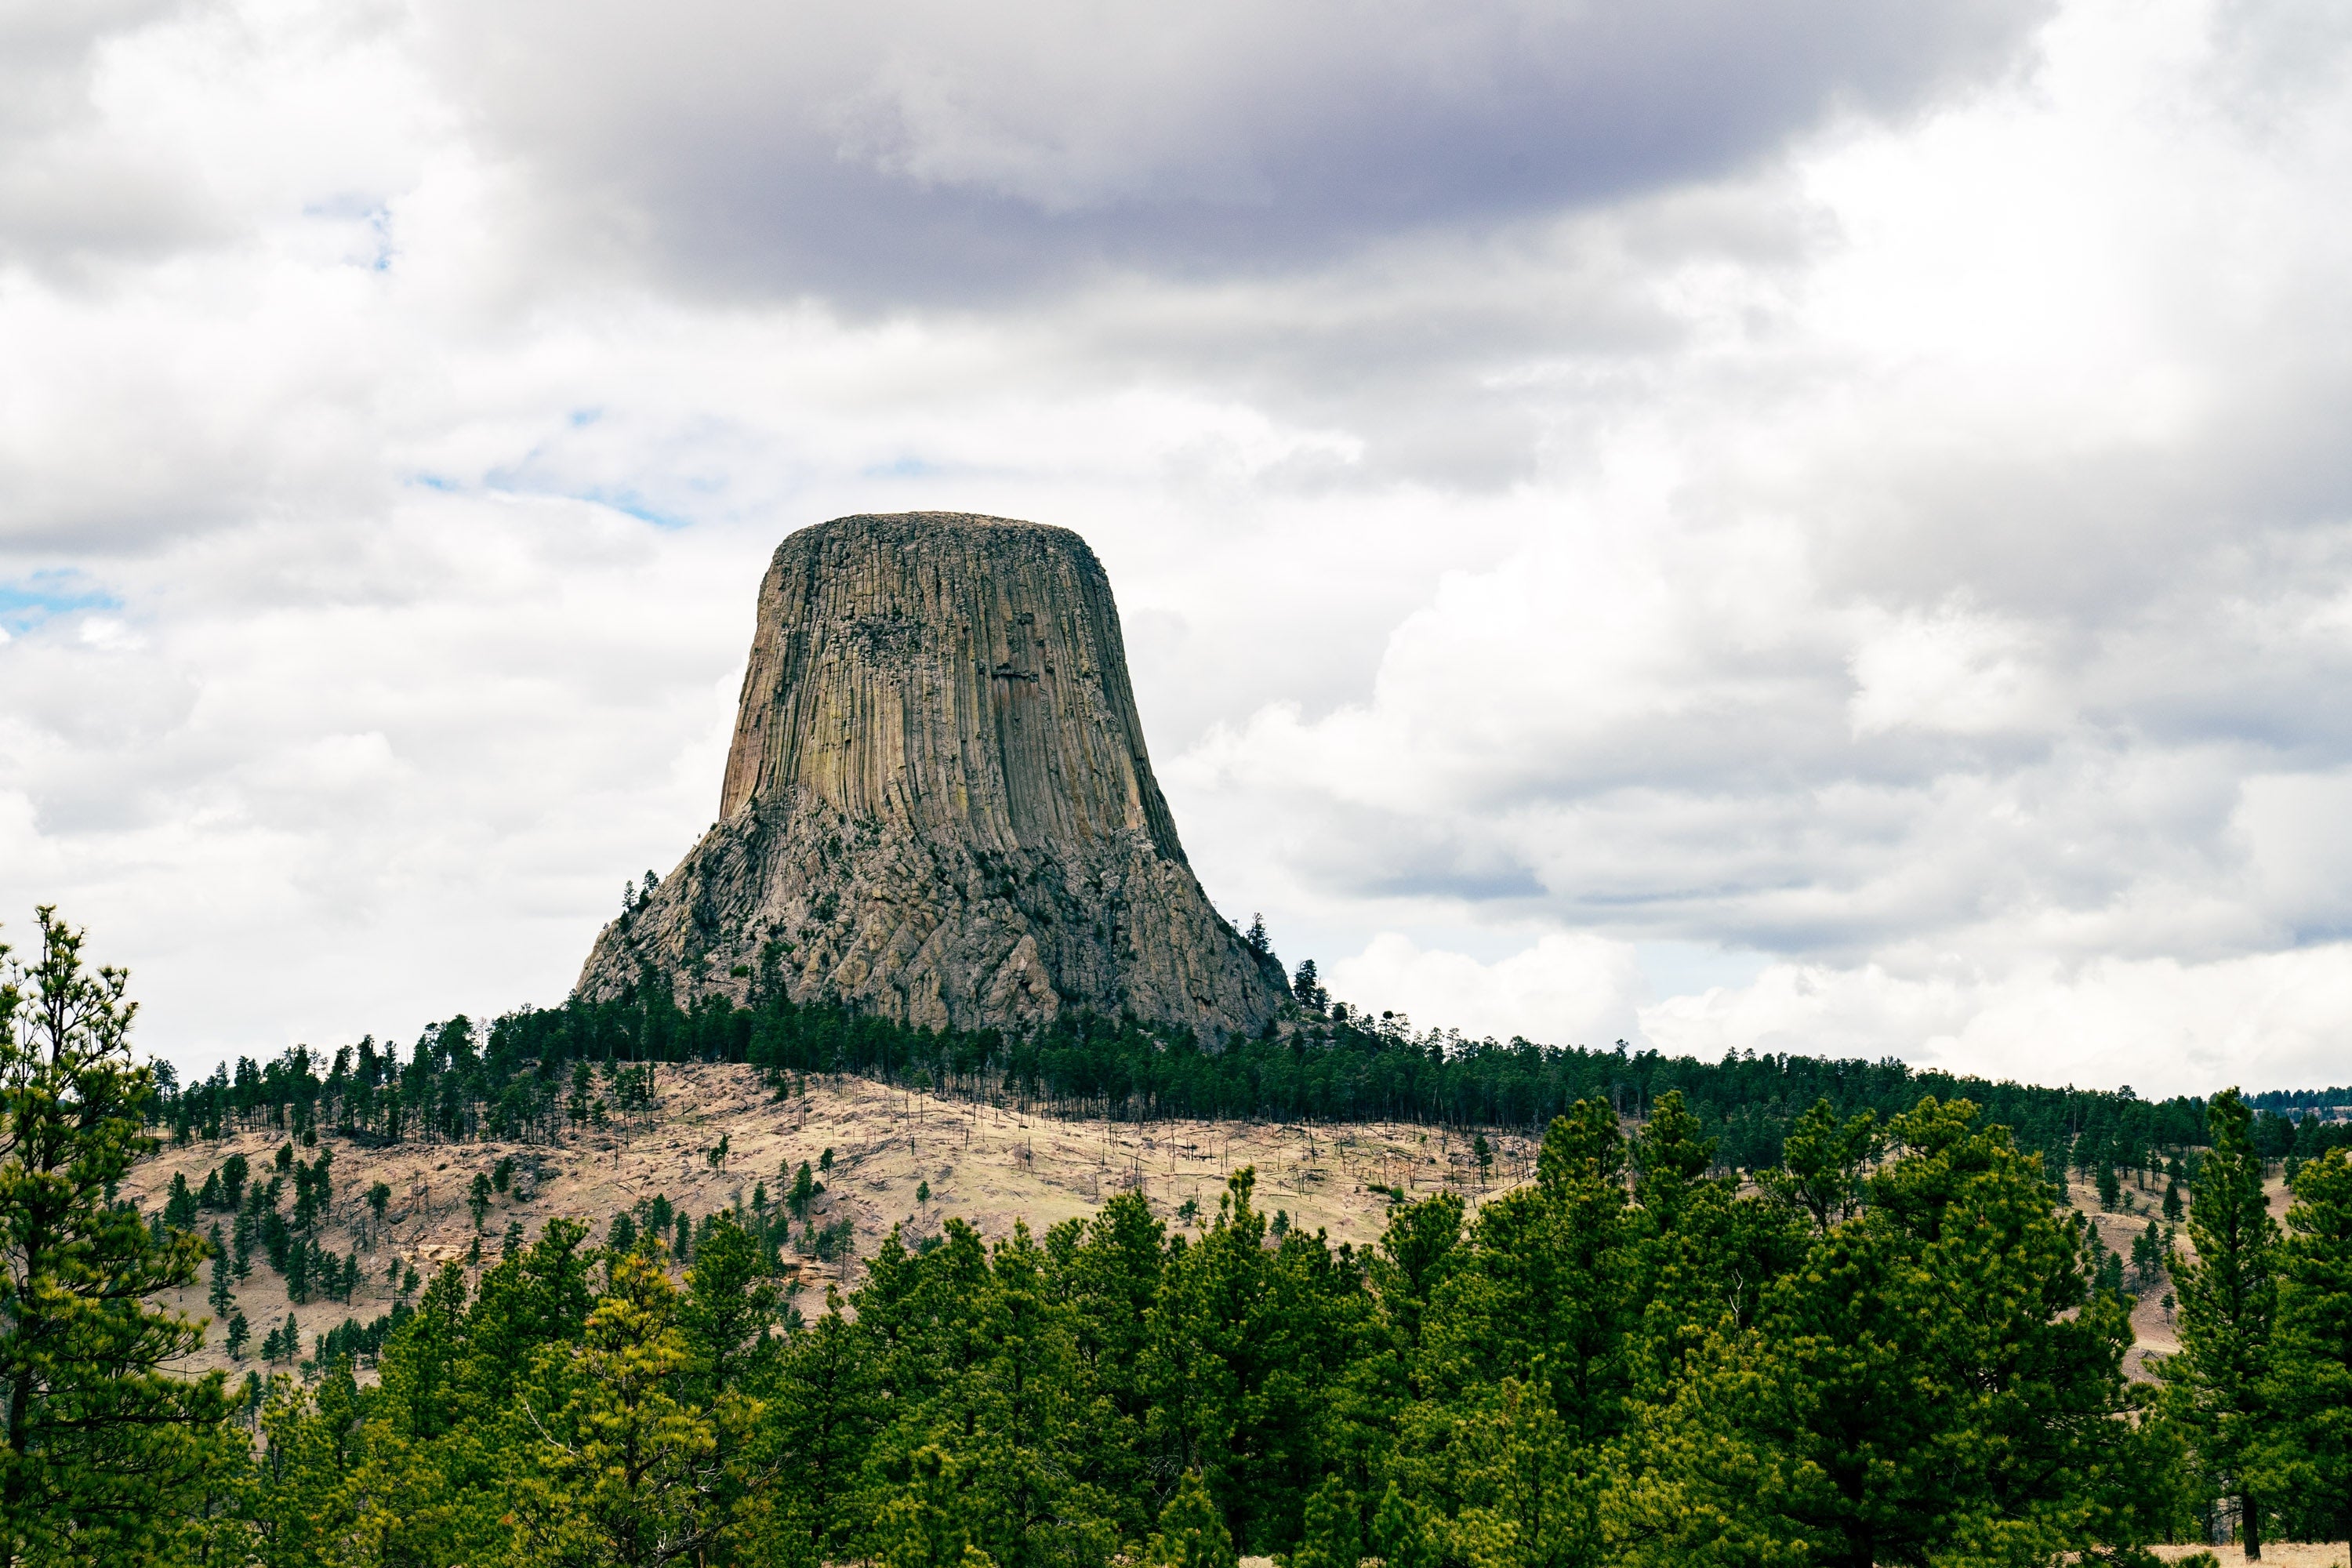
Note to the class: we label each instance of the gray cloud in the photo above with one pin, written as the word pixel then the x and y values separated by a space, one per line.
pixel 72 194
pixel 936 154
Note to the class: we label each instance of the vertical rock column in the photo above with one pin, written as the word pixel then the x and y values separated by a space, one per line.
pixel 938 805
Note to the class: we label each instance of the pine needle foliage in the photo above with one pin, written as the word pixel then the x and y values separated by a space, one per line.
pixel 109 1458
pixel 2228 1293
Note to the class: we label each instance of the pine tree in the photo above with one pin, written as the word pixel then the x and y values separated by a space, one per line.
pixel 1822 1164
pixel 105 1455
pixel 1192 1533
pixel 2309 1390
pixel 1936 1383
pixel 239 1334
pixel 180 1204
pixel 2227 1297
pixel 627 1465
pixel 1402 1532
pixel 1306 988
pixel 2148 1257
pixel 1421 1249
pixel 930 1514
pixel 2109 1276
pixel 220 1300
pixel 1335 1533
pixel 1537 1325
pixel 726 1309
pixel 823 1412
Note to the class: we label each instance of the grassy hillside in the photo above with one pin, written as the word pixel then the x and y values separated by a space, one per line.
pixel 880 1157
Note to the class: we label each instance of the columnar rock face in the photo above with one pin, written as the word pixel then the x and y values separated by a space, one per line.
pixel 938 805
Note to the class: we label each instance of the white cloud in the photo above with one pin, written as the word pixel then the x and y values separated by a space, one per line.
pixel 2297 832
pixel 2157 1024
pixel 1950 671
pixel 1566 987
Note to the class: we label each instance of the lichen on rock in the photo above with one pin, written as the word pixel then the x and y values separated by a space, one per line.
pixel 938 805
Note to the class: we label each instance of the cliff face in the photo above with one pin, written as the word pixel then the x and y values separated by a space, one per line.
pixel 938 805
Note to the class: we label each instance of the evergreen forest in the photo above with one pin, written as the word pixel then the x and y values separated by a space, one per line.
pixel 1765 1311
pixel 528 1076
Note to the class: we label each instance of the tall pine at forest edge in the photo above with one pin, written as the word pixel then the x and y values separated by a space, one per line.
pixel 2227 1297
pixel 107 1456
pixel 2308 1455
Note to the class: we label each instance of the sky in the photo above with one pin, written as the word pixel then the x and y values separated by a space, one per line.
pixel 1723 524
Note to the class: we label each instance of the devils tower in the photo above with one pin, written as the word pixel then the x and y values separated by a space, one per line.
pixel 938 805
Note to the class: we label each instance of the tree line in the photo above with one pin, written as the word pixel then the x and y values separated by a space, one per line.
pixel 1891 1347
pixel 532 1075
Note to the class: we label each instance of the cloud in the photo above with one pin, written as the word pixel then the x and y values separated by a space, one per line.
pixel 71 182
pixel 2158 1026
pixel 928 153
pixel 1891 627
pixel 328 803
pixel 1565 988
pixel 1951 672
pixel 1953 632
pixel 2297 832
pixel 1856 494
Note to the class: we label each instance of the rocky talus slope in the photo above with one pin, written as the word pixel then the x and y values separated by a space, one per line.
pixel 938 805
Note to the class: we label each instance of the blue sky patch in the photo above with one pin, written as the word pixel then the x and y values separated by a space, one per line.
pixel 28 602
pixel 636 505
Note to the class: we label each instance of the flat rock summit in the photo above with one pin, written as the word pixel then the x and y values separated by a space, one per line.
pixel 938 805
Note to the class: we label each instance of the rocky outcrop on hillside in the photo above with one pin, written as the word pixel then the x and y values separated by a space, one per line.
pixel 938 805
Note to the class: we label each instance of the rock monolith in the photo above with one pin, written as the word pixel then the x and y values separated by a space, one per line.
pixel 938 805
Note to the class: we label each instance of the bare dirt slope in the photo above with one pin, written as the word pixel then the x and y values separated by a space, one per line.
pixel 2153 1327
pixel 988 1166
